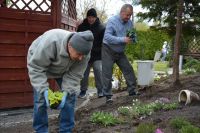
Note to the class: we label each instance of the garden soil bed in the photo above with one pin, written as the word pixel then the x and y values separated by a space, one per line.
pixel 160 89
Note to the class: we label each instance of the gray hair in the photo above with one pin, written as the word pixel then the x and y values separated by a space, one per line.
pixel 126 6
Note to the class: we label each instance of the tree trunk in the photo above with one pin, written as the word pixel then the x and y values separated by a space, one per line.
pixel 177 44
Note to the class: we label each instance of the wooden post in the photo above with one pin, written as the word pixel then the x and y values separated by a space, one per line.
pixel 56 13
pixel 177 43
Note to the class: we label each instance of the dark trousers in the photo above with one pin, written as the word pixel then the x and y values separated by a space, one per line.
pixel 109 57
pixel 97 68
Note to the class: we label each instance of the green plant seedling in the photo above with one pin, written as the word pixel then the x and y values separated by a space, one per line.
pixel 55 98
pixel 106 119
pixel 179 122
pixel 146 128
pixel 170 106
pixel 189 129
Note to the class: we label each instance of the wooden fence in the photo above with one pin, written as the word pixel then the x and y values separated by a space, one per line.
pixel 20 24
pixel 193 48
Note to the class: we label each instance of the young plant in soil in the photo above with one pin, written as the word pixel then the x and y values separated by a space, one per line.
pixel 170 106
pixel 106 119
pixel 55 98
pixel 178 122
pixel 139 109
pixel 183 126
pixel 146 128
pixel 189 129
pixel 125 110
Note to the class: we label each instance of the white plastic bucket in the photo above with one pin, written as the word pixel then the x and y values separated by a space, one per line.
pixel 145 72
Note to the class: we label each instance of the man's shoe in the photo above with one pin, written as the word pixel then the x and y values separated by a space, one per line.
pixel 109 101
pixel 82 94
pixel 100 95
pixel 134 93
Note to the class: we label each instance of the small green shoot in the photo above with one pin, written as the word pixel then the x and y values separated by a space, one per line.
pixel 189 129
pixel 106 119
pixel 54 98
pixel 183 125
pixel 146 128
pixel 170 106
pixel 178 123
pixel 124 110
pixel 139 109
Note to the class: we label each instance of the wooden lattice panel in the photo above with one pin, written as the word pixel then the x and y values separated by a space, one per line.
pixel 69 8
pixel 194 46
pixel 33 5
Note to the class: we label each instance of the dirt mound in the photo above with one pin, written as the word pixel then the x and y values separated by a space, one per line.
pixel 161 89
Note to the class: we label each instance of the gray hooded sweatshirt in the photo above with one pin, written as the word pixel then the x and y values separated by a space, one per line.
pixel 48 59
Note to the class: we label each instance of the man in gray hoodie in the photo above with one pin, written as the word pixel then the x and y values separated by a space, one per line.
pixel 61 55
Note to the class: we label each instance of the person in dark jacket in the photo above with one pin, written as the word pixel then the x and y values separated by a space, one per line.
pixel 92 23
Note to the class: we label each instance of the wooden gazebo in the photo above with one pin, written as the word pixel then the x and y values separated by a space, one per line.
pixel 21 21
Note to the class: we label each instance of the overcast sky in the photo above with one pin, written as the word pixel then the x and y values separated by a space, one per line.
pixel 113 7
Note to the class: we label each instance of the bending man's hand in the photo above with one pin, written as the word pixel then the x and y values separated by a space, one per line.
pixel 55 100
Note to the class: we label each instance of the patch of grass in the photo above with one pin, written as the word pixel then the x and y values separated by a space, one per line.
pixel 189 129
pixel 91 82
pixel 183 125
pixel 139 109
pixel 106 119
pixel 192 63
pixel 134 65
pixel 143 109
pixel 179 122
pixel 170 106
pixel 146 128
pixel 124 110
pixel 161 66
pixel 189 71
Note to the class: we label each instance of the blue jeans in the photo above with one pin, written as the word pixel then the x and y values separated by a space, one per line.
pixel 97 67
pixel 109 57
pixel 40 116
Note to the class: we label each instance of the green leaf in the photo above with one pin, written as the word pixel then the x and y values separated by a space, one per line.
pixel 54 97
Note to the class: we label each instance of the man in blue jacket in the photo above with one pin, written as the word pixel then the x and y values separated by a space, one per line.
pixel 61 55
pixel 114 43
